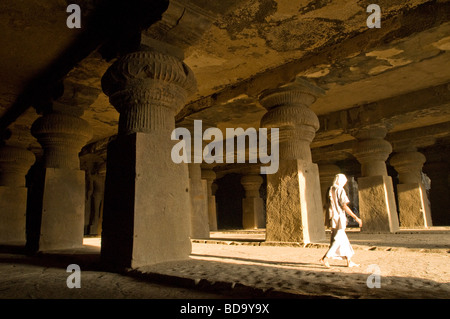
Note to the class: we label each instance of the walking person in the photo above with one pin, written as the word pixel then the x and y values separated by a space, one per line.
pixel 340 247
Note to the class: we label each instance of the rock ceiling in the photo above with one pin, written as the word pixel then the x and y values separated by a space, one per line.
pixel 237 49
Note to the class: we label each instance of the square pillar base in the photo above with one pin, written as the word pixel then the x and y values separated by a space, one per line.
pixel 253 213
pixel 377 204
pixel 13 208
pixel 294 205
pixel 414 210
pixel 146 216
pixel 62 219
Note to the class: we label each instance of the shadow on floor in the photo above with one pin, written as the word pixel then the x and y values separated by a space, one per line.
pixel 262 279
pixel 262 262
pixel 86 257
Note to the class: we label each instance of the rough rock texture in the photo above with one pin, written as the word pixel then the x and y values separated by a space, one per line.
pixel 294 205
pixel 377 204
pixel 251 46
pixel 414 209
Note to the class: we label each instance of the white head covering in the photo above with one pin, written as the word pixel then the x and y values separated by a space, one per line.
pixel 340 180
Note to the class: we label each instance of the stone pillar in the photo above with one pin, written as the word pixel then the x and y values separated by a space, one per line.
pixel 252 205
pixel 327 173
pixel 63 198
pixel 414 210
pixel 146 216
pixel 294 205
pixel 14 165
pixel 199 202
pixel 209 175
pixel 377 206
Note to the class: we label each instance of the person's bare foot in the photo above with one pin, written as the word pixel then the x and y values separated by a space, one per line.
pixel 351 264
pixel 324 262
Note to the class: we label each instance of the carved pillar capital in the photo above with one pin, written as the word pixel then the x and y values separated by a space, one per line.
pixel 288 110
pixel 62 136
pixel 14 165
pixel 251 184
pixel 148 88
pixel 408 165
pixel 372 151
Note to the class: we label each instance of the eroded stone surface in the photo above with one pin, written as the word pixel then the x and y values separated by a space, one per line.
pixel 294 210
pixel 377 204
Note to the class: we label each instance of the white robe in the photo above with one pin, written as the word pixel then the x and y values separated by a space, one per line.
pixel 339 245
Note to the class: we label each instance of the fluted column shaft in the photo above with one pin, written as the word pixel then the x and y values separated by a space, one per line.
pixel 148 88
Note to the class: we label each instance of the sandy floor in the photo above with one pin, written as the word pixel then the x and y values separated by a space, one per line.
pixel 403 273
pixel 411 265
